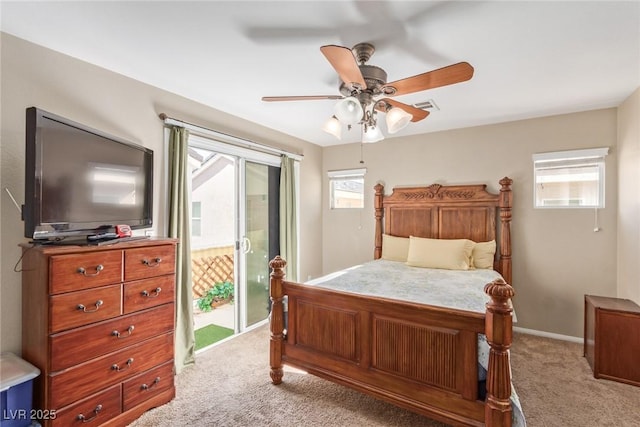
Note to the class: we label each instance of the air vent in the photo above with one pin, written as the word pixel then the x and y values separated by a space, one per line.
pixel 428 105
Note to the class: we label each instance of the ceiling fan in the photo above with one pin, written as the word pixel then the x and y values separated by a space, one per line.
pixel 365 91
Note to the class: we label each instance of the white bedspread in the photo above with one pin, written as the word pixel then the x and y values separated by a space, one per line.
pixel 463 290
pixel 459 289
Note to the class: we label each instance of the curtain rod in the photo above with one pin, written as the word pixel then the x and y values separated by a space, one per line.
pixel 227 138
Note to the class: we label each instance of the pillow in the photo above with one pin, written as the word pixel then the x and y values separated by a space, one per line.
pixel 450 254
pixel 483 254
pixel 395 248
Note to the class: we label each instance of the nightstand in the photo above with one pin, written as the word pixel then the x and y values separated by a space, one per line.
pixel 612 338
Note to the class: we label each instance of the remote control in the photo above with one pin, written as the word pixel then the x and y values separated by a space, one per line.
pixel 101 236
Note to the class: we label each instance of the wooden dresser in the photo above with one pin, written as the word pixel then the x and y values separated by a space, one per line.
pixel 98 321
pixel 612 338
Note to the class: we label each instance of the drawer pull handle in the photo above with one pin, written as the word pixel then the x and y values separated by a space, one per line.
pixel 156 291
pixel 119 335
pixel 117 368
pixel 153 263
pixel 147 387
pixel 84 309
pixel 82 418
pixel 82 271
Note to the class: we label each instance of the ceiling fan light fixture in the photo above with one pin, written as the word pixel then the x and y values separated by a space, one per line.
pixel 363 85
pixel 333 126
pixel 397 119
pixel 349 110
pixel 371 134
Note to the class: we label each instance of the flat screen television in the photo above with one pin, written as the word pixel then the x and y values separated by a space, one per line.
pixel 80 181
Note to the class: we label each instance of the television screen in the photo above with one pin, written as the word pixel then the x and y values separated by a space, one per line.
pixel 80 180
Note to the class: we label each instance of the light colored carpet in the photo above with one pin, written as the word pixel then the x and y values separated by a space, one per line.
pixel 230 386
pixel 557 388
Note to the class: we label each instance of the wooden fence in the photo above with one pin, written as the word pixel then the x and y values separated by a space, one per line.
pixel 210 266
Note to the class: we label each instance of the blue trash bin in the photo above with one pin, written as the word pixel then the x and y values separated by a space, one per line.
pixel 16 390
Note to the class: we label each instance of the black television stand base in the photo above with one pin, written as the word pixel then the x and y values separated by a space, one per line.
pixel 76 241
pixel 83 241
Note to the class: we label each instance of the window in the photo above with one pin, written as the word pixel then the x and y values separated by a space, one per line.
pixel 569 179
pixel 196 218
pixel 347 188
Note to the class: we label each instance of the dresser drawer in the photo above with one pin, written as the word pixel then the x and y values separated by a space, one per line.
pixel 147 293
pixel 78 345
pixel 82 380
pixel 144 386
pixel 83 307
pixel 94 410
pixel 87 270
pixel 141 263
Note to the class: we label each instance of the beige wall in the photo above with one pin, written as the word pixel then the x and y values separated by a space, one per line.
pixel 557 257
pixel 35 76
pixel 629 198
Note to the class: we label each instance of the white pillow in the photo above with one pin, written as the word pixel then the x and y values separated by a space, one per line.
pixel 450 254
pixel 395 248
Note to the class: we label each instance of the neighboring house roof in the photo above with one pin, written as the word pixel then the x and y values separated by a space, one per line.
pixel 206 166
pixel 348 185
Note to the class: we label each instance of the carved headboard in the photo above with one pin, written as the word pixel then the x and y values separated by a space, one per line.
pixel 448 212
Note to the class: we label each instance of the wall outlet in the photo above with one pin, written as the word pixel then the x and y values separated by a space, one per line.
pixel 150 232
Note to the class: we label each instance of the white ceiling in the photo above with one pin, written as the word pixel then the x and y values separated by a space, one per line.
pixel 531 59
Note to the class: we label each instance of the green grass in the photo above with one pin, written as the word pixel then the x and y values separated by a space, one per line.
pixel 211 333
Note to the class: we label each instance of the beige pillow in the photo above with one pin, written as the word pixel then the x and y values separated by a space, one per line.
pixel 450 254
pixel 395 248
pixel 483 254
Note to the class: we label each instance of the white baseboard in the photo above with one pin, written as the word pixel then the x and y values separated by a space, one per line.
pixel 549 335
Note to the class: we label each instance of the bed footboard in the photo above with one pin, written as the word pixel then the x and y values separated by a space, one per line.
pixel 422 358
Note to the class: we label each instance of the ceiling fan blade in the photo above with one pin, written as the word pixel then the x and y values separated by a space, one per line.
pixel 455 73
pixel 300 98
pixel 417 113
pixel 342 60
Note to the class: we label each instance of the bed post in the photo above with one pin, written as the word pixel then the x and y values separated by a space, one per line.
pixel 506 200
pixel 276 322
pixel 498 330
pixel 377 202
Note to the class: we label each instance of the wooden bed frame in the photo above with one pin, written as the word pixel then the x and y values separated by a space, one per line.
pixel 358 340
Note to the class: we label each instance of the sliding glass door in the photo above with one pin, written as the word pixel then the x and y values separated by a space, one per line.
pixel 259 239
pixel 235 231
